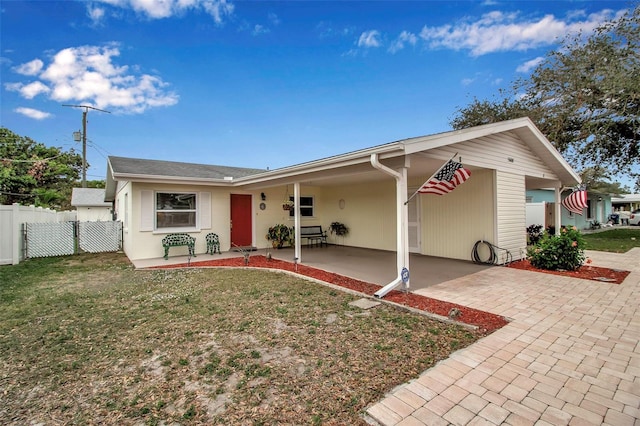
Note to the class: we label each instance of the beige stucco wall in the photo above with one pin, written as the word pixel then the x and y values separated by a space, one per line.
pixel 369 212
pixel 141 244
pixel 123 212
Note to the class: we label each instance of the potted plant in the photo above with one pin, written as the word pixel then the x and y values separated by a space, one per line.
pixel 287 205
pixel 340 229
pixel 279 235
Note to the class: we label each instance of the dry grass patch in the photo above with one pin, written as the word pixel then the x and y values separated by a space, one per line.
pixel 88 340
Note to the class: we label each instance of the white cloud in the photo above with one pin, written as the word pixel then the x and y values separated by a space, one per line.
pixel 405 37
pixel 28 91
pixel 30 68
pixel 159 9
pixel 95 13
pixel 32 113
pixel 369 39
pixel 529 65
pixel 497 31
pixel 87 74
pixel 260 29
pixel 218 9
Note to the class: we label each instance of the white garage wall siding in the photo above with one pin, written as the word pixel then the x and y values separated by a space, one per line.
pixel 452 223
pixel 503 152
pixel 510 215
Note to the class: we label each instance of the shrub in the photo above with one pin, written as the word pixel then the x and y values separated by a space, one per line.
pixel 279 235
pixel 563 251
pixel 535 232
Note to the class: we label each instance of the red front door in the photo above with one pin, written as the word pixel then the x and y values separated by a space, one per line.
pixel 241 231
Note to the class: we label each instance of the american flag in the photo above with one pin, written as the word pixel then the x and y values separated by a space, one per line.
pixel 576 201
pixel 446 180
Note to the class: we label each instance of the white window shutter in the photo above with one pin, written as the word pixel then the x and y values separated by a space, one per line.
pixel 146 210
pixel 205 210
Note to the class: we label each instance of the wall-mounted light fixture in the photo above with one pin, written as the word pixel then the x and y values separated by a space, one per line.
pixel 262 196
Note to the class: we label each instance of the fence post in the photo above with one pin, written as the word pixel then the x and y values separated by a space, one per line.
pixel 16 234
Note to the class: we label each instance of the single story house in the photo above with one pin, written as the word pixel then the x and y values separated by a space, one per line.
pixel 541 209
pixel 366 190
pixel 90 204
pixel 627 202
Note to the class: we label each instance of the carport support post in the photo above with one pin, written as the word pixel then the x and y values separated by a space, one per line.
pixel 296 223
pixel 402 223
pixel 557 222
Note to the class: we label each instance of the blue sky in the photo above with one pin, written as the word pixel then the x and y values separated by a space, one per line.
pixel 263 83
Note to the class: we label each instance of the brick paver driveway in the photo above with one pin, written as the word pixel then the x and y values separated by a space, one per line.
pixel 571 354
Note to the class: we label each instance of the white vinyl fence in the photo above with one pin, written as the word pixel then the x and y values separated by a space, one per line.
pixel 28 231
pixel 12 218
pixel 536 214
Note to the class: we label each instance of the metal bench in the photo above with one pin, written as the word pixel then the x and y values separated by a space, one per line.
pixel 176 240
pixel 213 243
pixel 314 235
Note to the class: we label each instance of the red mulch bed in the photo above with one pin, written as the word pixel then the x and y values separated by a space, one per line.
pixel 587 272
pixel 485 321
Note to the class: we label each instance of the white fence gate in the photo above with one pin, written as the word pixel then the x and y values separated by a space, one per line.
pixel 28 231
pixel 12 218
pixel 62 239
pixel 99 237
pixel 50 239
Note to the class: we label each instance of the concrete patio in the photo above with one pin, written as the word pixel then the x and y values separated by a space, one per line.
pixel 373 266
pixel 570 355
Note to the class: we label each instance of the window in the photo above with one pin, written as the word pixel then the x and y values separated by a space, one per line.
pixel 306 207
pixel 175 210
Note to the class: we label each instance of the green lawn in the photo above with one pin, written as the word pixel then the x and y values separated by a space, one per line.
pixel 88 340
pixel 613 240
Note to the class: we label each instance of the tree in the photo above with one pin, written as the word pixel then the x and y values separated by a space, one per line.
pixel 32 173
pixel 584 97
pixel 597 180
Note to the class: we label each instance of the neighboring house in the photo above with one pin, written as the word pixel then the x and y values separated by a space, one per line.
pixel 366 190
pixel 541 209
pixel 90 204
pixel 628 202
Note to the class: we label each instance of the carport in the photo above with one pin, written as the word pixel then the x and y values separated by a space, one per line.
pixel 368 265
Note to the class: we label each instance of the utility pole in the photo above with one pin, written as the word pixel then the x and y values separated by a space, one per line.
pixel 84 138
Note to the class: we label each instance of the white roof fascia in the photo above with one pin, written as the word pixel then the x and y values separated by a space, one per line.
pixel 170 179
pixel 626 198
pixel 393 149
pixel 426 143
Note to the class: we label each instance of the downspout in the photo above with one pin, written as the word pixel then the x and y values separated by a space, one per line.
pixel 402 240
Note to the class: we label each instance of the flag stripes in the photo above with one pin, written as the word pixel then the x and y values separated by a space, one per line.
pixel 576 201
pixel 446 180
